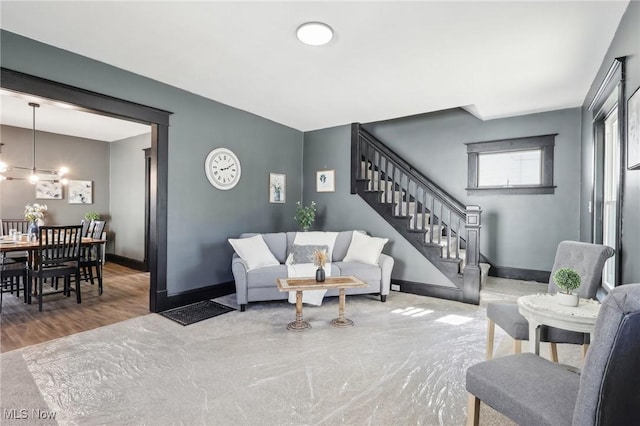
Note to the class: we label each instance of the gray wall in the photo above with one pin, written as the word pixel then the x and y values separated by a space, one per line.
pixel 87 159
pixel 200 217
pixel 126 223
pixel 339 210
pixel 625 43
pixel 520 231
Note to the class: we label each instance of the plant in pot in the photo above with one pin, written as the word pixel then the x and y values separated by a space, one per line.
pixel 305 215
pixel 567 280
pixel 92 216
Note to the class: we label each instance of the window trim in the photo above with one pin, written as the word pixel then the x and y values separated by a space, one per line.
pixel 545 143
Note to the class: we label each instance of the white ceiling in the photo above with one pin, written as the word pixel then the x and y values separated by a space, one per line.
pixel 387 59
pixel 57 117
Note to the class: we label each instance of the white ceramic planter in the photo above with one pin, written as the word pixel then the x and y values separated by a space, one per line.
pixel 567 299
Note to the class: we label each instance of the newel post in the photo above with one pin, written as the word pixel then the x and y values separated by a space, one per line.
pixel 355 154
pixel 472 272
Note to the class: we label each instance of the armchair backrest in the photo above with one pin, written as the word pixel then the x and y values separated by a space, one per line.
pixel 588 261
pixel 609 391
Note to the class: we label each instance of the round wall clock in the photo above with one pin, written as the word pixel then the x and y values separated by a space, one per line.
pixel 222 168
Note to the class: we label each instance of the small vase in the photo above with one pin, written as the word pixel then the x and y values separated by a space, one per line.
pixel 33 229
pixel 320 275
pixel 565 299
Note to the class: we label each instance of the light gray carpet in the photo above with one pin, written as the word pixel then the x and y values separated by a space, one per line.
pixel 396 366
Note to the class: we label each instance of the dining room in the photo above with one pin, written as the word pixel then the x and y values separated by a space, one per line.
pixel 74 166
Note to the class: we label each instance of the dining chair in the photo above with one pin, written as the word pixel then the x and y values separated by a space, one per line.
pixel 57 256
pixel 588 261
pixel 13 277
pixel 91 257
pixel 20 225
pixel 531 390
pixel 85 226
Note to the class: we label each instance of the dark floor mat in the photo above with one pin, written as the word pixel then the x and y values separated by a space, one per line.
pixel 196 312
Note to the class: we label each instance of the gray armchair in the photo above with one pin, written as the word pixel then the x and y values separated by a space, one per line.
pixel 533 391
pixel 588 260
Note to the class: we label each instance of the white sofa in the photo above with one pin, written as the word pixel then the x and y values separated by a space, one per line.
pixel 260 284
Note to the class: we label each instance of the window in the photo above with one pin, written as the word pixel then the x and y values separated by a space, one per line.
pixel 511 166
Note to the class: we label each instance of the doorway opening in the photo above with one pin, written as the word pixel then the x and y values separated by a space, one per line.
pixel 158 120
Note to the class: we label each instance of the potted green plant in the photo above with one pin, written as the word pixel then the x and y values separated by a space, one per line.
pixel 305 215
pixel 92 216
pixel 567 280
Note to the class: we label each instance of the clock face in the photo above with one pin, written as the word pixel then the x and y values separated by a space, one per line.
pixel 222 168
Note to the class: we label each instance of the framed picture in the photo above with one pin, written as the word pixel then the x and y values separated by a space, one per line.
pixel 326 181
pixel 48 190
pixel 633 131
pixel 80 192
pixel 277 188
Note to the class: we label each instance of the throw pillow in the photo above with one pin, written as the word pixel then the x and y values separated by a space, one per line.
pixel 254 251
pixel 305 254
pixel 365 249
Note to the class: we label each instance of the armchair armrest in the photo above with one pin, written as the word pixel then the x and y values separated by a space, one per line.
pixel 386 266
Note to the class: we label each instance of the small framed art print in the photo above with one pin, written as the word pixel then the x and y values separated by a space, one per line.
pixel 277 188
pixel 326 181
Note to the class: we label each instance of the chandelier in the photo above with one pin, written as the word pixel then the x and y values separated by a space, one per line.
pixel 35 174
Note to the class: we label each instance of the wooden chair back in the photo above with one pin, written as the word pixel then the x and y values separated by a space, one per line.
pixel 59 245
pixel 21 225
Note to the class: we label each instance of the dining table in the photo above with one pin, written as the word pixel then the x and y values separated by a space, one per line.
pixel 24 244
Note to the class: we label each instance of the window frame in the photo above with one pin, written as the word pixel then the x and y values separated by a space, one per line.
pixel 545 143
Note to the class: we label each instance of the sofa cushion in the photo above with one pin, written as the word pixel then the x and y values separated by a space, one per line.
pixel 306 253
pixel 254 251
pixel 312 238
pixel 343 240
pixel 365 249
pixel 361 270
pixel 276 241
pixel 266 277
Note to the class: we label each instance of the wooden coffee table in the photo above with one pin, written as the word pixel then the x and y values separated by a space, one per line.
pixel 301 284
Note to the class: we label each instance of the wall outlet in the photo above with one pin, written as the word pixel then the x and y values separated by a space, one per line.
pixel 395 287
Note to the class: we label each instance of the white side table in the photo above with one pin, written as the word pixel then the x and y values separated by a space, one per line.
pixel 542 309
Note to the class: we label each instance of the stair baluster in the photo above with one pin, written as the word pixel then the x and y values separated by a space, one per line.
pixel 417 208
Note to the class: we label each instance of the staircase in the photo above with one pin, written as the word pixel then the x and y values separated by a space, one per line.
pixel 442 229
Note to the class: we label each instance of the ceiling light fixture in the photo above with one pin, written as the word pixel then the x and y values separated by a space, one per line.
pixel 314 33
pixel 52 175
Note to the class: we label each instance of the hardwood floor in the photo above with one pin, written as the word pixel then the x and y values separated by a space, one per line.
pixel 125 295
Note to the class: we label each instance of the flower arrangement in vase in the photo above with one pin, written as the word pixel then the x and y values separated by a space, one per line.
pixel 567 280
pixel 305 215
pixel 35 213
pixel 320 259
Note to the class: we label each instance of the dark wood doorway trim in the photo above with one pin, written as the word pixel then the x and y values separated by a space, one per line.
pixel 159 164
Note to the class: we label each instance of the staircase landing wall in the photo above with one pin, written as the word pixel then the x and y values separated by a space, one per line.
pixel 340 210
pixel 518 231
